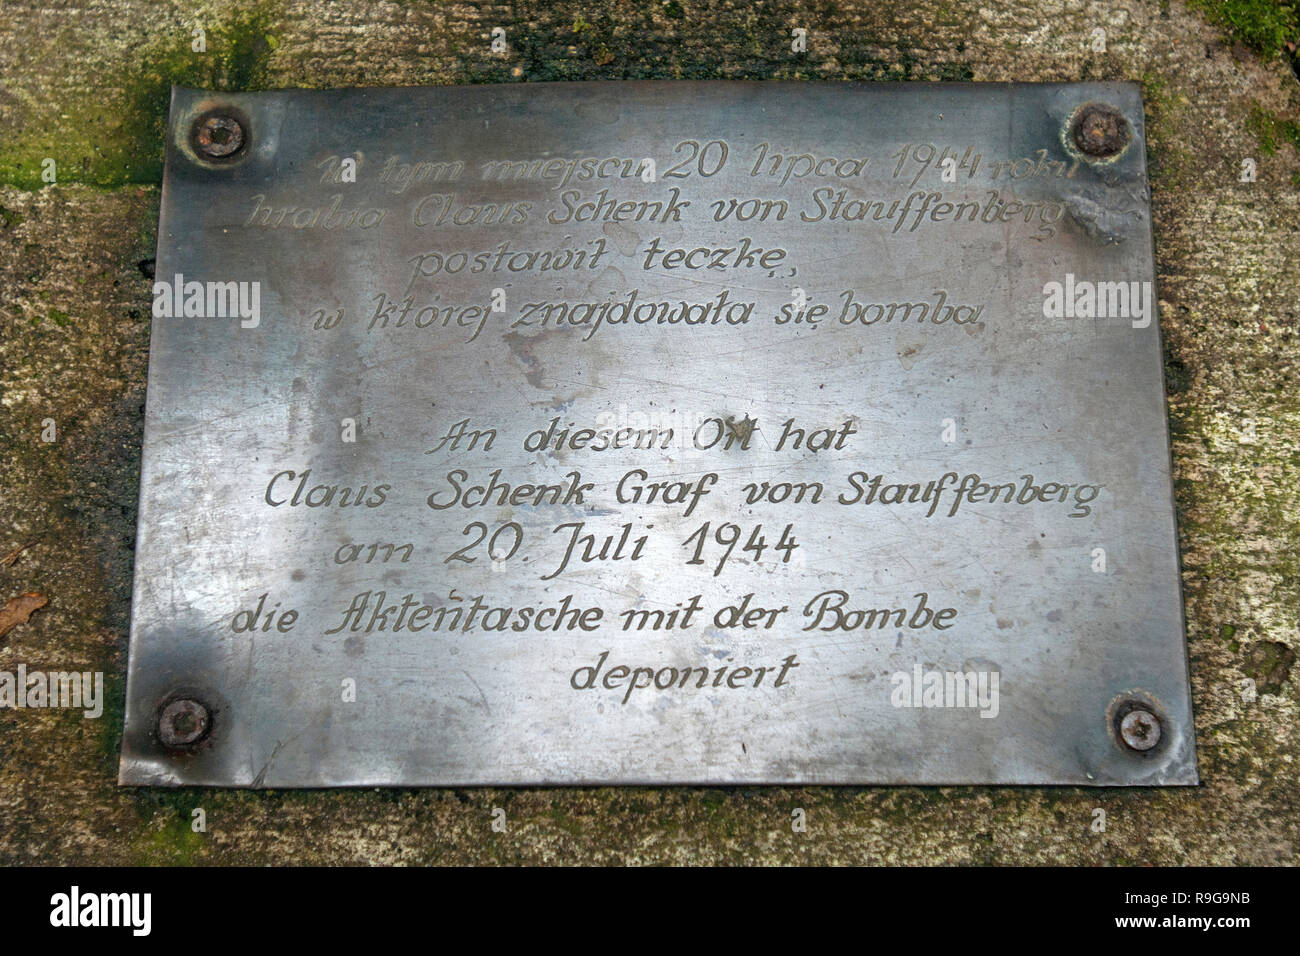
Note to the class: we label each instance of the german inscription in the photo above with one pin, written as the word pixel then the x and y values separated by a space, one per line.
pixel 657 433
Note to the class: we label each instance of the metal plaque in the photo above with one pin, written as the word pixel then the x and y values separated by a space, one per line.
pixel 641 433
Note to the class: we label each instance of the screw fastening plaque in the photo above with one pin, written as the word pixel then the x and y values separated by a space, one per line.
pixel 657 433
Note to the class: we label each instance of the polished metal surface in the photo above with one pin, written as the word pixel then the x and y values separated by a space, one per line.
pixel 827 447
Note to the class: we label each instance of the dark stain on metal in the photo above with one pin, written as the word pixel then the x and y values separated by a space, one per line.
pixel 1100 130
pixel 184 723
pixel 742 430
pixel 219 135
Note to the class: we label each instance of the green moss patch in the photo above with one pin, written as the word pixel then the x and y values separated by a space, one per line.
pixel 1265 26
pixel 1273 131
pixel 119 140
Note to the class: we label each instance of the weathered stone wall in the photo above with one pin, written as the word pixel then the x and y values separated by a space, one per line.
pixel 85 82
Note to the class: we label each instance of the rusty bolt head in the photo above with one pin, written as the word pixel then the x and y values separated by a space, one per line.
pixel 219 136
pixel 1100 131
pixel 1140 730
pixel 183 723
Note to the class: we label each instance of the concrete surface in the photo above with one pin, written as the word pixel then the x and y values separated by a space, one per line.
pixel 85 82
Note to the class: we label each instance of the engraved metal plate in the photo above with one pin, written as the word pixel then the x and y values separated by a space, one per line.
pixel 657 433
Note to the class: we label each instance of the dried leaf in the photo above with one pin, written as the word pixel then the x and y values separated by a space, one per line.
pixel 17 610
